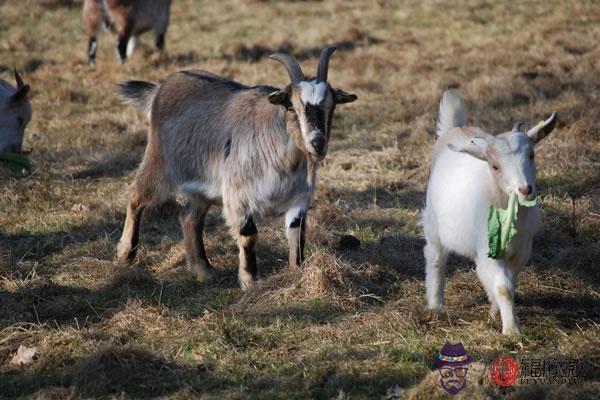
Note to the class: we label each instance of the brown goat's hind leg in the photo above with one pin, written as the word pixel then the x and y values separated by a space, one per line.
pixel 127 248
pixel 192 223
pixel 246 238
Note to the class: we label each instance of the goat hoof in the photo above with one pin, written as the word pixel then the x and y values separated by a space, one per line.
pixel 511 331
pixel 125 255
pixel 435 307
pixel 494 311
pixel 248 282
pixel 204 273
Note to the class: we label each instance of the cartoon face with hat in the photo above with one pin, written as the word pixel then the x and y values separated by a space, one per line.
pixel 453 361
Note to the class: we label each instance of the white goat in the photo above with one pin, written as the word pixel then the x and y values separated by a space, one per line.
pixel 472 170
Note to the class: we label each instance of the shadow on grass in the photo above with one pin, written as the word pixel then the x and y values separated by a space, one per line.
pixel 113 165
pixel 566 310
pixel 129 371
pixel 50 302
pixel 36 246
pixel 135 372
pixel 258 52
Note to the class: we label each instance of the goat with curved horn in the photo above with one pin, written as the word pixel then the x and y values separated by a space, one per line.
pixel 291 65
pixel 253 150
pixel 323 67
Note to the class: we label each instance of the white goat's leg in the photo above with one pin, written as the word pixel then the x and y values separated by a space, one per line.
pixel 499 283
pixel 435 271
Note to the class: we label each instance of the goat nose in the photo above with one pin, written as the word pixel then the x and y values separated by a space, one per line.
pixel 318 143
pixel 525 190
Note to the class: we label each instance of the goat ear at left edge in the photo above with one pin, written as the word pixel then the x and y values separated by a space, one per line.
pixel 20 95
pixel 279 97
pixel 342 97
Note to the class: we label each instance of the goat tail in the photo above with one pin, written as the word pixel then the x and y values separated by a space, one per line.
pixel 452 112
pixel 138 93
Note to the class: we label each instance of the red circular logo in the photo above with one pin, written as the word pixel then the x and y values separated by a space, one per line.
pixel 504 370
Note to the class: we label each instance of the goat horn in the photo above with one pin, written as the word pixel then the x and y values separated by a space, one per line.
pixel 291 65
pixel 324 63
pixel 18 79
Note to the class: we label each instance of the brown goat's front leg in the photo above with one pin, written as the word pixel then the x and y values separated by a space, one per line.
pixel 295 234
pixel 192 223
pixel 248 271
pixel 122 41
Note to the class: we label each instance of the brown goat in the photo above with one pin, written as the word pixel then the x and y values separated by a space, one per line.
pixel 129 18
pixel 253 150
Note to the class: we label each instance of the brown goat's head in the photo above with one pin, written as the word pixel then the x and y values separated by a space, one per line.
pixel 309 104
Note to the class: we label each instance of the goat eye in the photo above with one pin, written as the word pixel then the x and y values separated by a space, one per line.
pixel 495 167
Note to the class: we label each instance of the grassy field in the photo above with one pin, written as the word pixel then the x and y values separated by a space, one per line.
pixel 352 324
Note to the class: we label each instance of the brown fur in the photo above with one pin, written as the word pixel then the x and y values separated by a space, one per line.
pixel 128 18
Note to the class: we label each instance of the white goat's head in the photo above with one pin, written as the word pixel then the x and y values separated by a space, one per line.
pixel 309 104
pixel 15 114
pixel 510 155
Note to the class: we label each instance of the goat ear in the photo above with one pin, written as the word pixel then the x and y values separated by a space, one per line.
pixel 342 97
pixel 279 97
pixel 543 129
pixel 20 95
pixel 476 147
pixel 18 79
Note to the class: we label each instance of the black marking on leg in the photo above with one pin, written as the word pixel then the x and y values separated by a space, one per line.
pixel 227 148
pixel 296 222
pixel 160 41
pixel 251 263
pixel 122 47
pixel 248 229
pixel 92 47
pixel 135 238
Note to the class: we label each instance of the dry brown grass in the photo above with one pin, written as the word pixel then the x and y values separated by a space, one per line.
pixel 352 324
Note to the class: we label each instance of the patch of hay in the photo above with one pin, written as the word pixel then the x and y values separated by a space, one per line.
pixel 322 276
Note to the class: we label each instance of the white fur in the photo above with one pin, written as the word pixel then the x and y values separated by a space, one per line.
pixel 131 43
pixel 312 92
pixel 197 187
pixel 452 112
pixel 293 213
pixel 460 191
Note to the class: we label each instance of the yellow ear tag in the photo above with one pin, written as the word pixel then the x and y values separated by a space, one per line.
pixel 541 122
